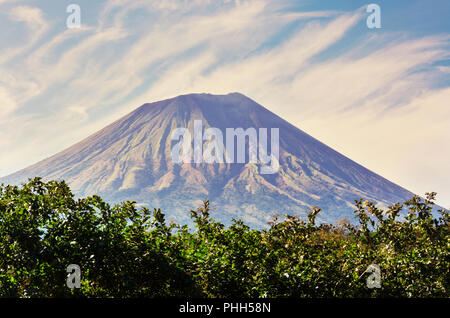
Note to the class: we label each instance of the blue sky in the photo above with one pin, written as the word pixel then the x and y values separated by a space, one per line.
pixel 379 96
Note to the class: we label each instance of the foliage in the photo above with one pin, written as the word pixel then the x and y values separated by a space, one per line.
pixel 124 251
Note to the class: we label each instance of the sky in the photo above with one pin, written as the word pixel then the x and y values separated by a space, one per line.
pixel 380 96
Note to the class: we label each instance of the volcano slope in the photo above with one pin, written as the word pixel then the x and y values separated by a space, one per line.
pixel 131 159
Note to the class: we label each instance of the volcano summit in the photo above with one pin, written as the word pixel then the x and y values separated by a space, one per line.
pixel 131 159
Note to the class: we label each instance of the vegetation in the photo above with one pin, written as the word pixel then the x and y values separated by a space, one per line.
pixel 124 251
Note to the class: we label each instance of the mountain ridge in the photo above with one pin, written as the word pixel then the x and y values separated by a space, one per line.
pixel 131 159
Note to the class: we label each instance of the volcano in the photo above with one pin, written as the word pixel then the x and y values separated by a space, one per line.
pixel 131 159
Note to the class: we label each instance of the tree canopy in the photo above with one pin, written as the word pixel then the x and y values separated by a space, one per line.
pixel 126 251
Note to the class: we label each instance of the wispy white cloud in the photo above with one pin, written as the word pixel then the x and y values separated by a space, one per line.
pixel 8 103
pixel 8 1
pixel 15 89
pixel 36 24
